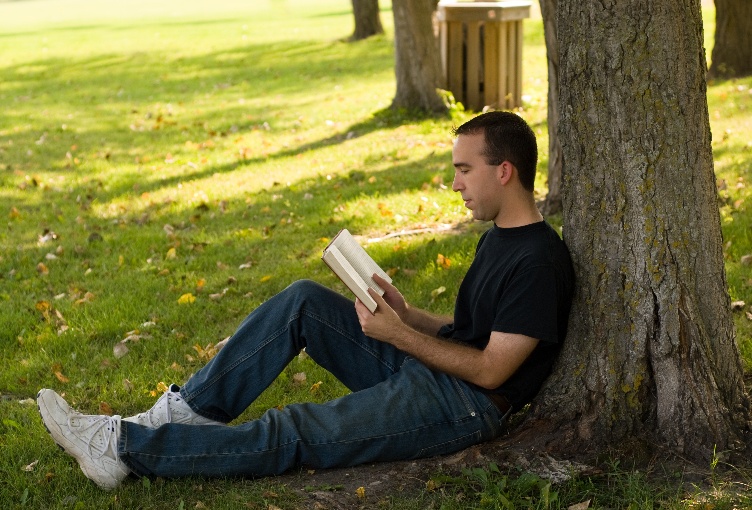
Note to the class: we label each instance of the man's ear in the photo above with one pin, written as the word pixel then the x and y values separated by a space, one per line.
pixel 505 171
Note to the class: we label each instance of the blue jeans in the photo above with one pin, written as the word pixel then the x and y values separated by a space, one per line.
pixel 398 408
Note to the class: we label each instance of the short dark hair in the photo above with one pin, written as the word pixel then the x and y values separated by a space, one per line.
pixel 507 138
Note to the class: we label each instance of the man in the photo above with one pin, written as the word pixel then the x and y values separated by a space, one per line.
pixel 421 384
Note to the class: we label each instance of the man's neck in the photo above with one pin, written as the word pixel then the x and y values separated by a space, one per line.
pixel 518 213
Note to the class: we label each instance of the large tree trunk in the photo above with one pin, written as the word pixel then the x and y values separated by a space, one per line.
pixel 367 20
pixel 732 51
pixel 650 351
pixel 417 60
pixel 552 203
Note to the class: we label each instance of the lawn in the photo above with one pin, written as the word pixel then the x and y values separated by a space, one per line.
pixel 166 167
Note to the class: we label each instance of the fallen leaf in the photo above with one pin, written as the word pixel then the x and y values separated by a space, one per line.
pixel 61 377
pixel 105 408
pixel 87 298
pixel 14 213
pixel 437 292
pixel 580 506
pixel 205 353
pixel 361 492
pixel 29 468
pixel 443 262
pixel 299 378
pixel 315 387
pixel 265 278
pixel 737 306
pixel 120 350
pixel 186 299
pixel 42 269
pixel 171 254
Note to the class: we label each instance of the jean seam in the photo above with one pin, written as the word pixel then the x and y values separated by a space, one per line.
pixel 349 337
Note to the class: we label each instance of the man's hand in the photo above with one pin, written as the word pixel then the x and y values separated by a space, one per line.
pixel 393 297
pixel 384 324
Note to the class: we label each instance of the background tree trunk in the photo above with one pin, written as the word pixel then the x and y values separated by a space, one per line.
pixel 651 350
pixel 552 203
pixel 367 19
pixel 732 51
pixel 417 59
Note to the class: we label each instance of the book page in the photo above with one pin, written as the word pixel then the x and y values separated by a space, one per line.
pixel 363 264
pixel 342 268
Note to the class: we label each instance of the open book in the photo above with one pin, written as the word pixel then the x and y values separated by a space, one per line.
pixel 354 267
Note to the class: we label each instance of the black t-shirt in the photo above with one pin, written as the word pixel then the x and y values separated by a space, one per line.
pixel 521 282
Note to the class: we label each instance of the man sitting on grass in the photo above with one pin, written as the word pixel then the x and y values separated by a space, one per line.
pixel 421 384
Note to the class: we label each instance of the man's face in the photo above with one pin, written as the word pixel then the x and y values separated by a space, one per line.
pixel 474 179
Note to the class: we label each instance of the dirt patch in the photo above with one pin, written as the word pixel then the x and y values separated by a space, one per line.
pixel 336 489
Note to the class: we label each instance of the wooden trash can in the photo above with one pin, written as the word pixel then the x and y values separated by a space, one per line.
pixel 481 51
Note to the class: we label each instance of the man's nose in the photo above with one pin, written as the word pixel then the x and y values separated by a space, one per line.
pixel 456 183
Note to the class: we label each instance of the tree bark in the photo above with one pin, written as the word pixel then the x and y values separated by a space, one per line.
pixel 367 19
pixel 552 203
pixel 651 352
pixel 417 60
pixel 732 51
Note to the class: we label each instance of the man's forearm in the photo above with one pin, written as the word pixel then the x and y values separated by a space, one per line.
pixel 426 322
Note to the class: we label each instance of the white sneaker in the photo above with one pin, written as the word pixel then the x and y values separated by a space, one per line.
pixel 90 439
pixel 170 408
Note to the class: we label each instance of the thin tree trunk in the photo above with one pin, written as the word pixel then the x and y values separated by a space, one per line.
pixel 417 61
pixel 732 51
pixel 552 203
pixel 367 19
pixel 651 351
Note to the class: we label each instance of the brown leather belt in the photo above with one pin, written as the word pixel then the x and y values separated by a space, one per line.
pixel 500 401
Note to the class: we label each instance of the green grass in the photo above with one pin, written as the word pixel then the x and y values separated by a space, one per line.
pixel 167 149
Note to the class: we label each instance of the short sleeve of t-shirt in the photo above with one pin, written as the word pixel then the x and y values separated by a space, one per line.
pixel 528 305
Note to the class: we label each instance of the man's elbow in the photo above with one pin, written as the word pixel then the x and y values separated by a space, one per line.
pixel 490 380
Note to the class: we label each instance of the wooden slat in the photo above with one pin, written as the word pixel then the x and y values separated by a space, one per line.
pixel 472 77
pixel 444 49
pixel 455 68
pixel 503 64
pixel 491 64
pixel 518 65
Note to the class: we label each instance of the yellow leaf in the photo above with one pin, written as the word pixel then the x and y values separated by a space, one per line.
pixel 171 254
pixel 186 299
pixel 443 261
pixel 361 492
pixel 200 284
pixel 315 387
pixel 42 269
pixel 121 260
pixel 14 213
pixel 161 387
pixel 61 377
pixel 43 306
pixel 265 278
pixel 206 353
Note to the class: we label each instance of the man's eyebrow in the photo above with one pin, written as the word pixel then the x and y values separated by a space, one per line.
pixel 460 163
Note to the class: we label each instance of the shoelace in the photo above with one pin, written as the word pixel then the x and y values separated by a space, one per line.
pixel 96 424
pixel 157 406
